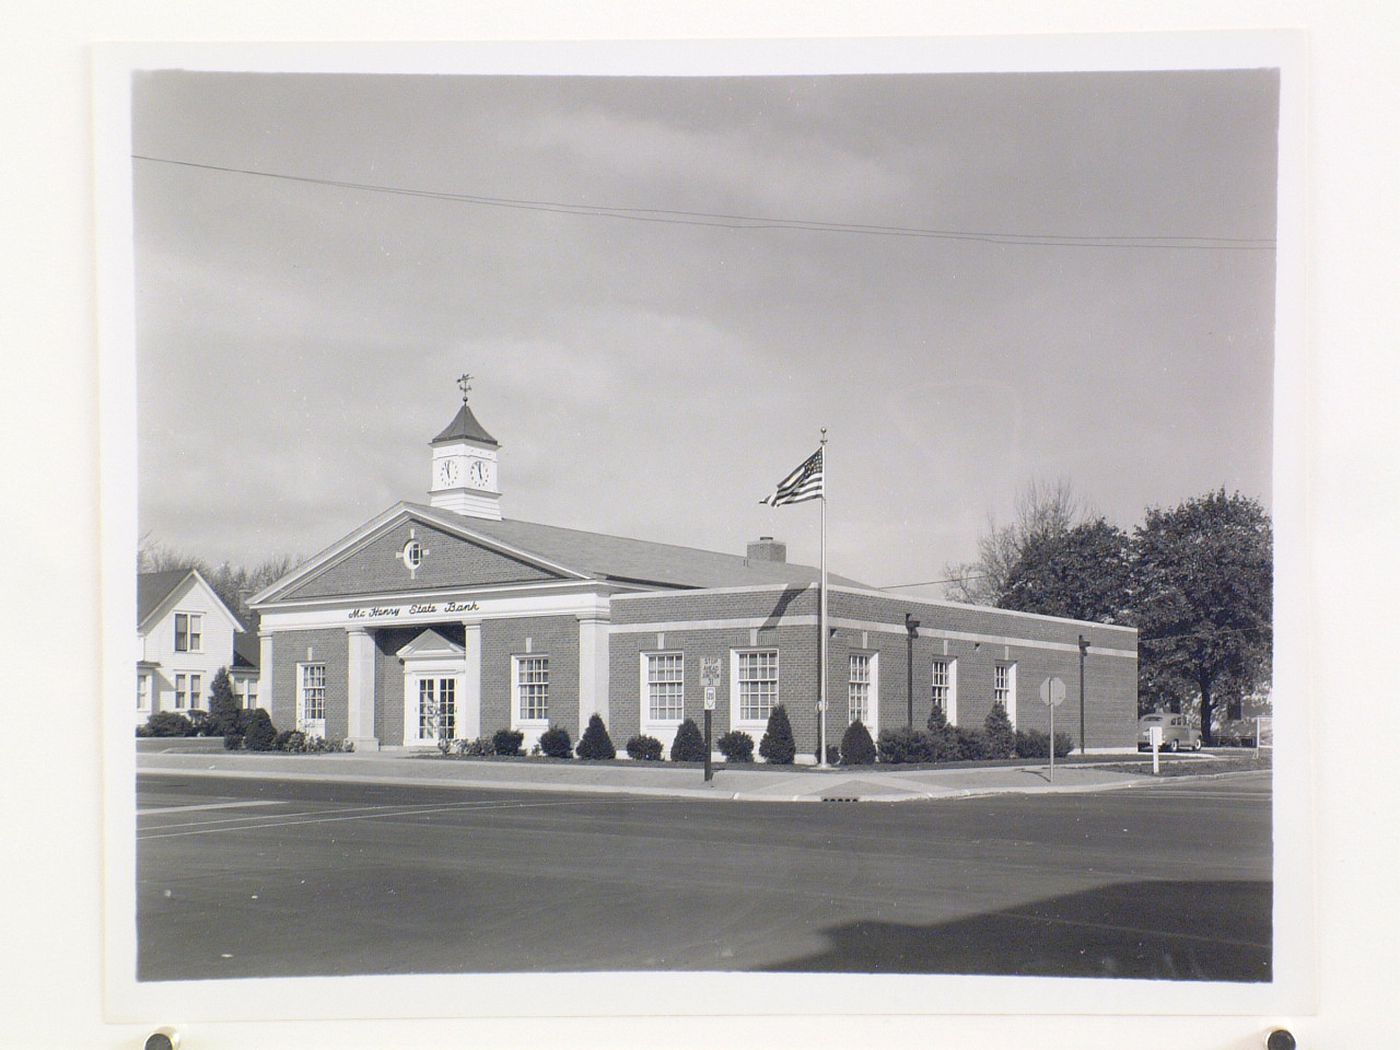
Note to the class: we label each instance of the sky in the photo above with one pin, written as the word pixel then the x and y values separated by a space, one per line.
pixel 655 370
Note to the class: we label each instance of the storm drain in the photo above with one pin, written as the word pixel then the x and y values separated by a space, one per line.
pixel 840 798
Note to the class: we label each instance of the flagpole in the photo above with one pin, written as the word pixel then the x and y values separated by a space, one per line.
pixel 822 675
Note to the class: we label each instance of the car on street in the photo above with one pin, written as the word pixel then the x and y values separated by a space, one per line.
pixel 1176 733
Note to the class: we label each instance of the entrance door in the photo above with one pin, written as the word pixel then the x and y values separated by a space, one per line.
pixel 432 708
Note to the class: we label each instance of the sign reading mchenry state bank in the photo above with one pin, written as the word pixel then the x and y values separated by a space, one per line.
pixel 391 612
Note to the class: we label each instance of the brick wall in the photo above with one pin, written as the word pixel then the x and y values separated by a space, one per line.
pixel 1110 681
pixel 555 636
pixel 290 648
pixel 451 561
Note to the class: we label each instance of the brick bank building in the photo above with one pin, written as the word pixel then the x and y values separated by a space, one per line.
pixel 445 617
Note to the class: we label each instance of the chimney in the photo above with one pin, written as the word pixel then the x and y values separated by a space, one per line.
pixel 766 548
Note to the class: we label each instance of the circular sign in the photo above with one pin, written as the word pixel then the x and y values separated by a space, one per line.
pixel 1052 692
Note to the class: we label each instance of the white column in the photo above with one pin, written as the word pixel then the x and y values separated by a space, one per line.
pixel 360 688
pixel 469 706
pixel 592 668
pixel 264 673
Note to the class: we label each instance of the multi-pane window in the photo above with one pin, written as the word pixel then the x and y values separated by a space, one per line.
pixel 181 695
pixel 427 708
pixel 942 685
pixel 437 708
pixel 532 686
pixel 194 690
pixel 143 691
pixel 189 636
pixel 665 686
pixel 1002 684
pixel 250 693
pixel 313 692
pixel 858 689
pixel 758 684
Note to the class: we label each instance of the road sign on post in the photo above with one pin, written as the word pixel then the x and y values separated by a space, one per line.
pixel 709 677
pixel 1052 695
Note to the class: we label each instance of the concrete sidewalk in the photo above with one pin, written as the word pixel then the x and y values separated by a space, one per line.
pixel 757 783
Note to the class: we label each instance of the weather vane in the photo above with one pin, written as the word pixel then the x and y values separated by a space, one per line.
pixel 464 381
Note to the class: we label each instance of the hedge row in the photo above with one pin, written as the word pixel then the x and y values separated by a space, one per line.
pixel 941 742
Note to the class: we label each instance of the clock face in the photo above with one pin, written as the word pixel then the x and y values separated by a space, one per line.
pixel 480 474
pixel 448 471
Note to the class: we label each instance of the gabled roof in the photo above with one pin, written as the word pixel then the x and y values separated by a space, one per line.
pixel 154 589
pixel 625 559
pixel 574 553
pixel 430 642
pixel 246 651
pixel 465 425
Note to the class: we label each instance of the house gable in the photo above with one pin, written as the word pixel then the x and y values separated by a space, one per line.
pixel 378 565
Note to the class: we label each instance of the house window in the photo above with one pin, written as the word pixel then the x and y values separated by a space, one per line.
pixel 532 687
pixel 665 686
pixel 189 632
pixel 945 688
pixel 181 695
pixel 143 692
pixel 250 693
pixel 194 690
pixel 313 692
pixel 758 684
pixel 1004 688
pixel 858 689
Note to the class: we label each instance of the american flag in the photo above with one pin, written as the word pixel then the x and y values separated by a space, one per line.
pixel 804 483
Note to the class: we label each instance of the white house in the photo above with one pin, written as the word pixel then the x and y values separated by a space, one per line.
pixel 184 634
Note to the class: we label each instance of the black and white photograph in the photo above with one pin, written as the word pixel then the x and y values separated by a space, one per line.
pixel 630 526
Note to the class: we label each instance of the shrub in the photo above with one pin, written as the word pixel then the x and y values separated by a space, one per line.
pixel 595 742
pixel 223 705
pixel 199 722
pixel 169 723
pixel 777 745
pixel 293 740
pixel 233 741
pixel 507 742
pixel 482 745
pixel 260 734
pixel 736 746
pixel 317 745
pixel 968 745
pixel 644 749
pixel 143 730
pixel 555 743
pixel 937 719
pixel 1032 743
pixel 857 749
pixel 1000 736
pixel 689 745
pixel 902 744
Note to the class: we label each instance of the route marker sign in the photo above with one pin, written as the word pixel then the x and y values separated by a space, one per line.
pixel 709 698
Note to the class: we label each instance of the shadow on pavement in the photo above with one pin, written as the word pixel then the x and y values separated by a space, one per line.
pixel 1182 931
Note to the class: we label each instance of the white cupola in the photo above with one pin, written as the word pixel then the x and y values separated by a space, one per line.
pixel 464 465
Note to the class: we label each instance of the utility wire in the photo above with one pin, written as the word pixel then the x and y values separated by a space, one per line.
pixel 930 583
pixel 749 222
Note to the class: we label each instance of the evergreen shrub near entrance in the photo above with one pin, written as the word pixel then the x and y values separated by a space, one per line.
pixel 595 742
pixel 736 746
pixel 689 745
pixel 857 749
pixel 555 743
pixel 169 723
pixel 507 741
pixel 1032 743
pixel 999 734
pixel 644 749
pixel 777 745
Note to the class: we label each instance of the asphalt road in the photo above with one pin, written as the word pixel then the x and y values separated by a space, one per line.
pixel 251 878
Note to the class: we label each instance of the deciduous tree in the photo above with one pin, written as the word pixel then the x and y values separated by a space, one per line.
pixel 1204 596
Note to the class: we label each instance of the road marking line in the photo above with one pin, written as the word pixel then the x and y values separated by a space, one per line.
pixel 402 812
pixel 207 805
